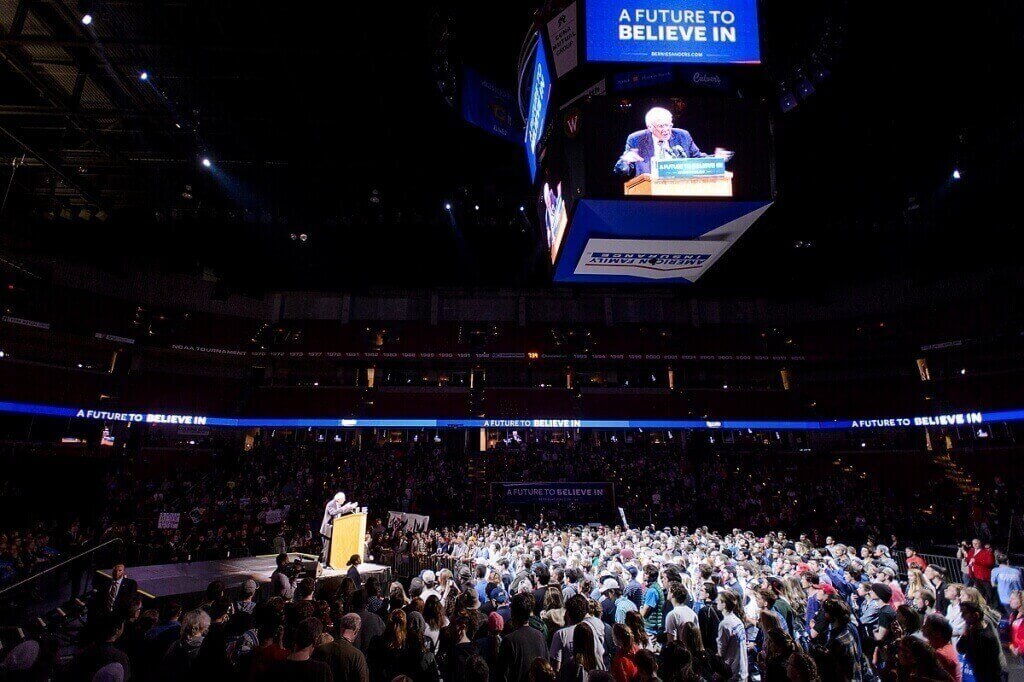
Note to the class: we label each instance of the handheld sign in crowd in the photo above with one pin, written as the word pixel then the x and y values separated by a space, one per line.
pixel 168 521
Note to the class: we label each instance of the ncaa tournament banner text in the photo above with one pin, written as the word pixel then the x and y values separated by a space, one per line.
pixel 684 31
pixel 529 493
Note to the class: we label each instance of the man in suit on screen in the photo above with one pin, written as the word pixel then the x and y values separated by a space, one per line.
pixel 659 140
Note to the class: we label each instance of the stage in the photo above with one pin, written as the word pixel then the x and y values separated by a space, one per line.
pixel 169 580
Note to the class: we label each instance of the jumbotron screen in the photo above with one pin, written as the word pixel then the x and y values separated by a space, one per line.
pixel 674 31
pixel 668 147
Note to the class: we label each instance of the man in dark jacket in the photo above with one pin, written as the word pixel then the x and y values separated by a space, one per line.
pixel 347 663
pixel 522 644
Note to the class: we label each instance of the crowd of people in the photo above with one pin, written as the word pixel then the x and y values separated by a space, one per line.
pixel 557 602
pixel 268 498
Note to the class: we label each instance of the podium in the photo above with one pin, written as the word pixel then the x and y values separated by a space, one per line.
pixel 348 537
pixel 700 186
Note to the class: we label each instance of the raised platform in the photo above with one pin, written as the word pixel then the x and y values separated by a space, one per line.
pixel 168 580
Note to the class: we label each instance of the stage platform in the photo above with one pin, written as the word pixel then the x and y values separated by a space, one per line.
pixel 169 580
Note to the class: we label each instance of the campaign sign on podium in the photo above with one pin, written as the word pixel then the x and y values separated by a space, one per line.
pixel 675 169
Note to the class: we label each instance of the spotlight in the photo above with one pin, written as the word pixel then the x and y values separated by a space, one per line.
pixel 956 174
pixel 144 76
pixel 787 100
pixel 2 355
pixel 206 162
pixel 476 207
pixel 86 19
pixel 963 372
pixel 447 207
pixel 522 209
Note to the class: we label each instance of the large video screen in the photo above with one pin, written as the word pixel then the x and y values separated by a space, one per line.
pixel 540 96
pixel 670 147
pixel 677 31
pixel 556 217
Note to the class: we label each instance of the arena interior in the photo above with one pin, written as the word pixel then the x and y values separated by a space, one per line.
pixel 669 340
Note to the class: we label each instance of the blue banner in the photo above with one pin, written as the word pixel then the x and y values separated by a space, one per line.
pixel 668 169
pixel 164 419
pixel 696 32
pixel 531 493
pixel 489 107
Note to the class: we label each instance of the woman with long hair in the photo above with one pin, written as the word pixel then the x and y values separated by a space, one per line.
pixel 419 662
pixel 624 664
pixel 397 598
pixel 776 646
pixel 635 623
pixel 584 659
pixel 553 610
pixel 348 587
pixel 915 583
pixel 447 590
pixel 705 663
pixel 917 660
pixel 797 597
pixel 436 619
pixel 384 652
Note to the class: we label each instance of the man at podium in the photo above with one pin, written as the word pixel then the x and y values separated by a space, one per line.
pixel 659 140
pixel 336 507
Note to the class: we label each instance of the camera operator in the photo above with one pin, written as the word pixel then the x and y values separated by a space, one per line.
pixel 283 579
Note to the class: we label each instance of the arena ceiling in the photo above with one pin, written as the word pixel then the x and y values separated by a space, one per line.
pixel 329 123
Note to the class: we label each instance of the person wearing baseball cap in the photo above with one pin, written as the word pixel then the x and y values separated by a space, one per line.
pixel 248 602
pixel 500 603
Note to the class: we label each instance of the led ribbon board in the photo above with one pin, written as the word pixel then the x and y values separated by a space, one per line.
pixel 948 419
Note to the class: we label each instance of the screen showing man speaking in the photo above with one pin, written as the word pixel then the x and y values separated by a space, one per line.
pixel 680 31
pixel 668 146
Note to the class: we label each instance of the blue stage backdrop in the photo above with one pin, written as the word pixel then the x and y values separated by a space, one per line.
pixel 545 492
pixel 677 31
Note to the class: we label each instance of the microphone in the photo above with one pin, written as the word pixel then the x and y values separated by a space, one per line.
pixel 678 152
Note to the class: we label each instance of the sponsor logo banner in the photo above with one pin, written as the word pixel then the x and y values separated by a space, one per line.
pixel 489 106
pixel 563 38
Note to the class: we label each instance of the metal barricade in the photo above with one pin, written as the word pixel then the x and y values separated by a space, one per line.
pixel 948 563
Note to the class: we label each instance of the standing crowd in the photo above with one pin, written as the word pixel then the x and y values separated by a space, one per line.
pixel 571 603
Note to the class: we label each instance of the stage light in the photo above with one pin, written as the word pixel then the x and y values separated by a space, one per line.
pixel 144 76
pixel 86 19
pixel 787 100
pixel 522 209
pixel 2 355
pixel 956 174
pixel 963 372
pixel 178 126
pixel 447 207
pixel 206 162
pixel 476 207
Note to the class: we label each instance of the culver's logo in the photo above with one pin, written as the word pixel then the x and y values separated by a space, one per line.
pixel 705 78
pixel 648 260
